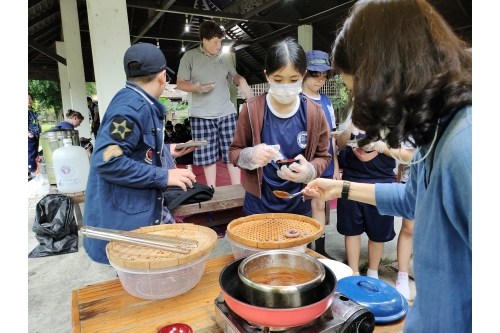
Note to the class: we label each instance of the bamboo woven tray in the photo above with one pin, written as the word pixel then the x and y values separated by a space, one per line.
pixel 267 231
pixel 142 257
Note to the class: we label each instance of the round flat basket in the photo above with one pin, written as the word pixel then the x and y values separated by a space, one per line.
pixel 142 257
pixel 268 231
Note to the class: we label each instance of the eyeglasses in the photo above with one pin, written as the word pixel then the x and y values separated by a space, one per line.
pixel 167 79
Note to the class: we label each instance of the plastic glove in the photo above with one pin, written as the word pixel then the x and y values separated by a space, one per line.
pixel 204 88
pixel 259 156
pixel 246 92
pixel 304 172
pixel 377 146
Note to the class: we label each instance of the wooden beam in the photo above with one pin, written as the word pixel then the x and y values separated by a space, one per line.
pixel 252 12
pixel 164 5
pixel 46 51
pixel 179 39
pixel 45 15
pixel 42 71
pixel 148 4
pixel 33 3
pixel 329 12
pixel 244 43
pixel 459 3
pixel 45 30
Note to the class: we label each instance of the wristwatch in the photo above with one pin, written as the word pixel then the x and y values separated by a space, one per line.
pixel 345 191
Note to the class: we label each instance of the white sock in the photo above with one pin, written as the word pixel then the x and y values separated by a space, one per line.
pixel 372 273
pixel 402 284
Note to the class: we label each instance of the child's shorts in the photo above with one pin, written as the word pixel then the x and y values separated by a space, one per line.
pixel 354 218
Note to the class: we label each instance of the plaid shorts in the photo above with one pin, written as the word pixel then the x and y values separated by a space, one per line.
pixel 218 132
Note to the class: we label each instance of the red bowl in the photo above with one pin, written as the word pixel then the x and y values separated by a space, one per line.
pixel 176 328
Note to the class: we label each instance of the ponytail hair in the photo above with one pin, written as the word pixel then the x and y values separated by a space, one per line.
pixel 72 113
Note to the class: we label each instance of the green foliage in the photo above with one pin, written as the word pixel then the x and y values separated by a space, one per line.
pixel 363 268
pixel 170 107
pixel 182 117
pixel 47 94
pixel 340 100
pixel 90 89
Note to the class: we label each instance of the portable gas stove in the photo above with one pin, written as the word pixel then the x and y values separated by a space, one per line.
pixel 343 316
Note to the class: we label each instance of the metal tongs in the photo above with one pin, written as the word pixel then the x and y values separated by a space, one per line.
pixel 167 243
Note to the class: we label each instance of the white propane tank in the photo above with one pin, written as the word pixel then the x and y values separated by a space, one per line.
pixel 71 167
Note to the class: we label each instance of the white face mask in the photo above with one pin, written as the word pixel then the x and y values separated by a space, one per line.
pixel 383 134
pixel 285 93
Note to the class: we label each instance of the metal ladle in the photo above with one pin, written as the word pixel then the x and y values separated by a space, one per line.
pixel 286 195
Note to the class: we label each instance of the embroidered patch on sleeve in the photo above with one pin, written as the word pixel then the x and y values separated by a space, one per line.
pixel 112 151
pixel 120 128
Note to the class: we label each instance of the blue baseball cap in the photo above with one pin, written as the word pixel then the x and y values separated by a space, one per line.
pixel 149 56
pixel 318 61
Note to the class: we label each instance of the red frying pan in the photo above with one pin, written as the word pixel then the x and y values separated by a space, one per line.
pixel 274 317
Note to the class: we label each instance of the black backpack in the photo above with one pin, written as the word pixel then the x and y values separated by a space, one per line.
pixel 174 195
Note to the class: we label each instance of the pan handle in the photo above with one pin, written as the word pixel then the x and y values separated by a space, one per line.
pixel 373 287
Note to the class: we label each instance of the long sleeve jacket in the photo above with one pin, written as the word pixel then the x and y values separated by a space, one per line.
pixel 249 127
pixel 438 196
pixel 127 176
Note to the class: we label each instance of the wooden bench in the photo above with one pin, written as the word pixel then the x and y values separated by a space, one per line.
pixel 225 197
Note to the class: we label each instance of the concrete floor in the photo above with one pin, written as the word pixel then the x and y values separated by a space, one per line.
pixel 52 279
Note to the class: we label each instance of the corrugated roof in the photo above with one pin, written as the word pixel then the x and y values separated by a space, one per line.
pixel 256 29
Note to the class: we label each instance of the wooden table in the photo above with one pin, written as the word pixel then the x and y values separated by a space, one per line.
pixel 107 307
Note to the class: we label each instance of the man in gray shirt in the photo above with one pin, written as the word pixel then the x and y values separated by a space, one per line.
pixel 206 73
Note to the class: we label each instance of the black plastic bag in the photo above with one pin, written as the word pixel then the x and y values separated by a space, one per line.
pixel 55 226
pixel 175 195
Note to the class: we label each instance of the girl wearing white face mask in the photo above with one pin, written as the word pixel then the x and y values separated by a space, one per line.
pixel 280 124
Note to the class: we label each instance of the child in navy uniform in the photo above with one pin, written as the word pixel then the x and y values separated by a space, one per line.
pixel 369 164
pixel 276 125
pixel 318 72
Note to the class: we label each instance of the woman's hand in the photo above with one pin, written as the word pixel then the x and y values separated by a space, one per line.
pixel 325 189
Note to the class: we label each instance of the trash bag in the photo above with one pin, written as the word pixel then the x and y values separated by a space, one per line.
pixel 55 226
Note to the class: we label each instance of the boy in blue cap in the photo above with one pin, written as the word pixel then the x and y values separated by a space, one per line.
pixel 318 72
pixel 130 166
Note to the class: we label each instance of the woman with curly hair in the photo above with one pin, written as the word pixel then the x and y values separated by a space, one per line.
pixel 411 77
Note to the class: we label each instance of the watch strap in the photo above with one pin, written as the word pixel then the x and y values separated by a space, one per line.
pixel 345 191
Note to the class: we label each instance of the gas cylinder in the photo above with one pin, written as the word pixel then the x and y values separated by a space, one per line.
pixel 71 167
